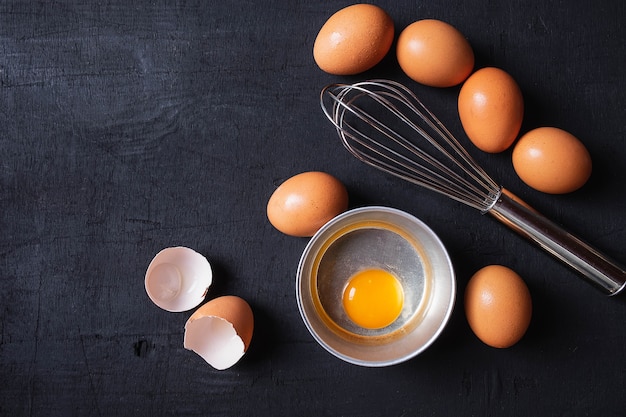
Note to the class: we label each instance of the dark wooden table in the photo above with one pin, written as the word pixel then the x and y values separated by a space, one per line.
pixel 127 127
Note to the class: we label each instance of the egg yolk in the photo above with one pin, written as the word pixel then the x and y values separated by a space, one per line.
pixel 373 298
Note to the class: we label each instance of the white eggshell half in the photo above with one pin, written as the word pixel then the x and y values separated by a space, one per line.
pixel 220 331
pixel 178 279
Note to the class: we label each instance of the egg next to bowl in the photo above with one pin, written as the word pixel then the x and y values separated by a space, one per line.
pixel 498 306
pixel 305 202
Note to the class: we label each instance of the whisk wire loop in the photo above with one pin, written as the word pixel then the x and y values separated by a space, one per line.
pixel 445 167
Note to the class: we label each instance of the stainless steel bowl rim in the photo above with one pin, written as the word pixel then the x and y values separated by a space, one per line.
pixel 320 234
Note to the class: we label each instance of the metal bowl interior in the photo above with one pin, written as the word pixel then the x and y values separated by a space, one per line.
pixel 383 238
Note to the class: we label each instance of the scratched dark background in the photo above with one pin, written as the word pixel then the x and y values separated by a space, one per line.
pixel 127 127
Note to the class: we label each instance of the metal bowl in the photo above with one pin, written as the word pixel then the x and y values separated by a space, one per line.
pixel 387 239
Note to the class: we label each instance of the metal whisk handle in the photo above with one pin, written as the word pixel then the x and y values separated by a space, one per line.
pixel 594 266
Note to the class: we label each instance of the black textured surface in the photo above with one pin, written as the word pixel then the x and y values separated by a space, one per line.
pixel 127 127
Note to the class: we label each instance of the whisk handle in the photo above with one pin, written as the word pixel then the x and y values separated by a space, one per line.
pixel 593 265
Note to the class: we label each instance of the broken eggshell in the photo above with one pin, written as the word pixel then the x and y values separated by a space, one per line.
pixel 178 279
pixel 220 331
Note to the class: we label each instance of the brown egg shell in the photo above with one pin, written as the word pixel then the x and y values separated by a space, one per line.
pixel 552 160
pixel 498 306
pixel 302 204
pixel 491 109
pixel 233 309
pixel 353 40
pixel 434 53
pixel 225 333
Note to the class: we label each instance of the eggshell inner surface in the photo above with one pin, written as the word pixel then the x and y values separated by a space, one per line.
pixel 220 331
pixel 178 279
pixel 222 349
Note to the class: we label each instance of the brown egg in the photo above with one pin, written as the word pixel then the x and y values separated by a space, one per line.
pixel 498 306
pixel 353 40
pixel 305 202
pixel 220 331
pixel 552 160
pixel 491 109
pixel 434 53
